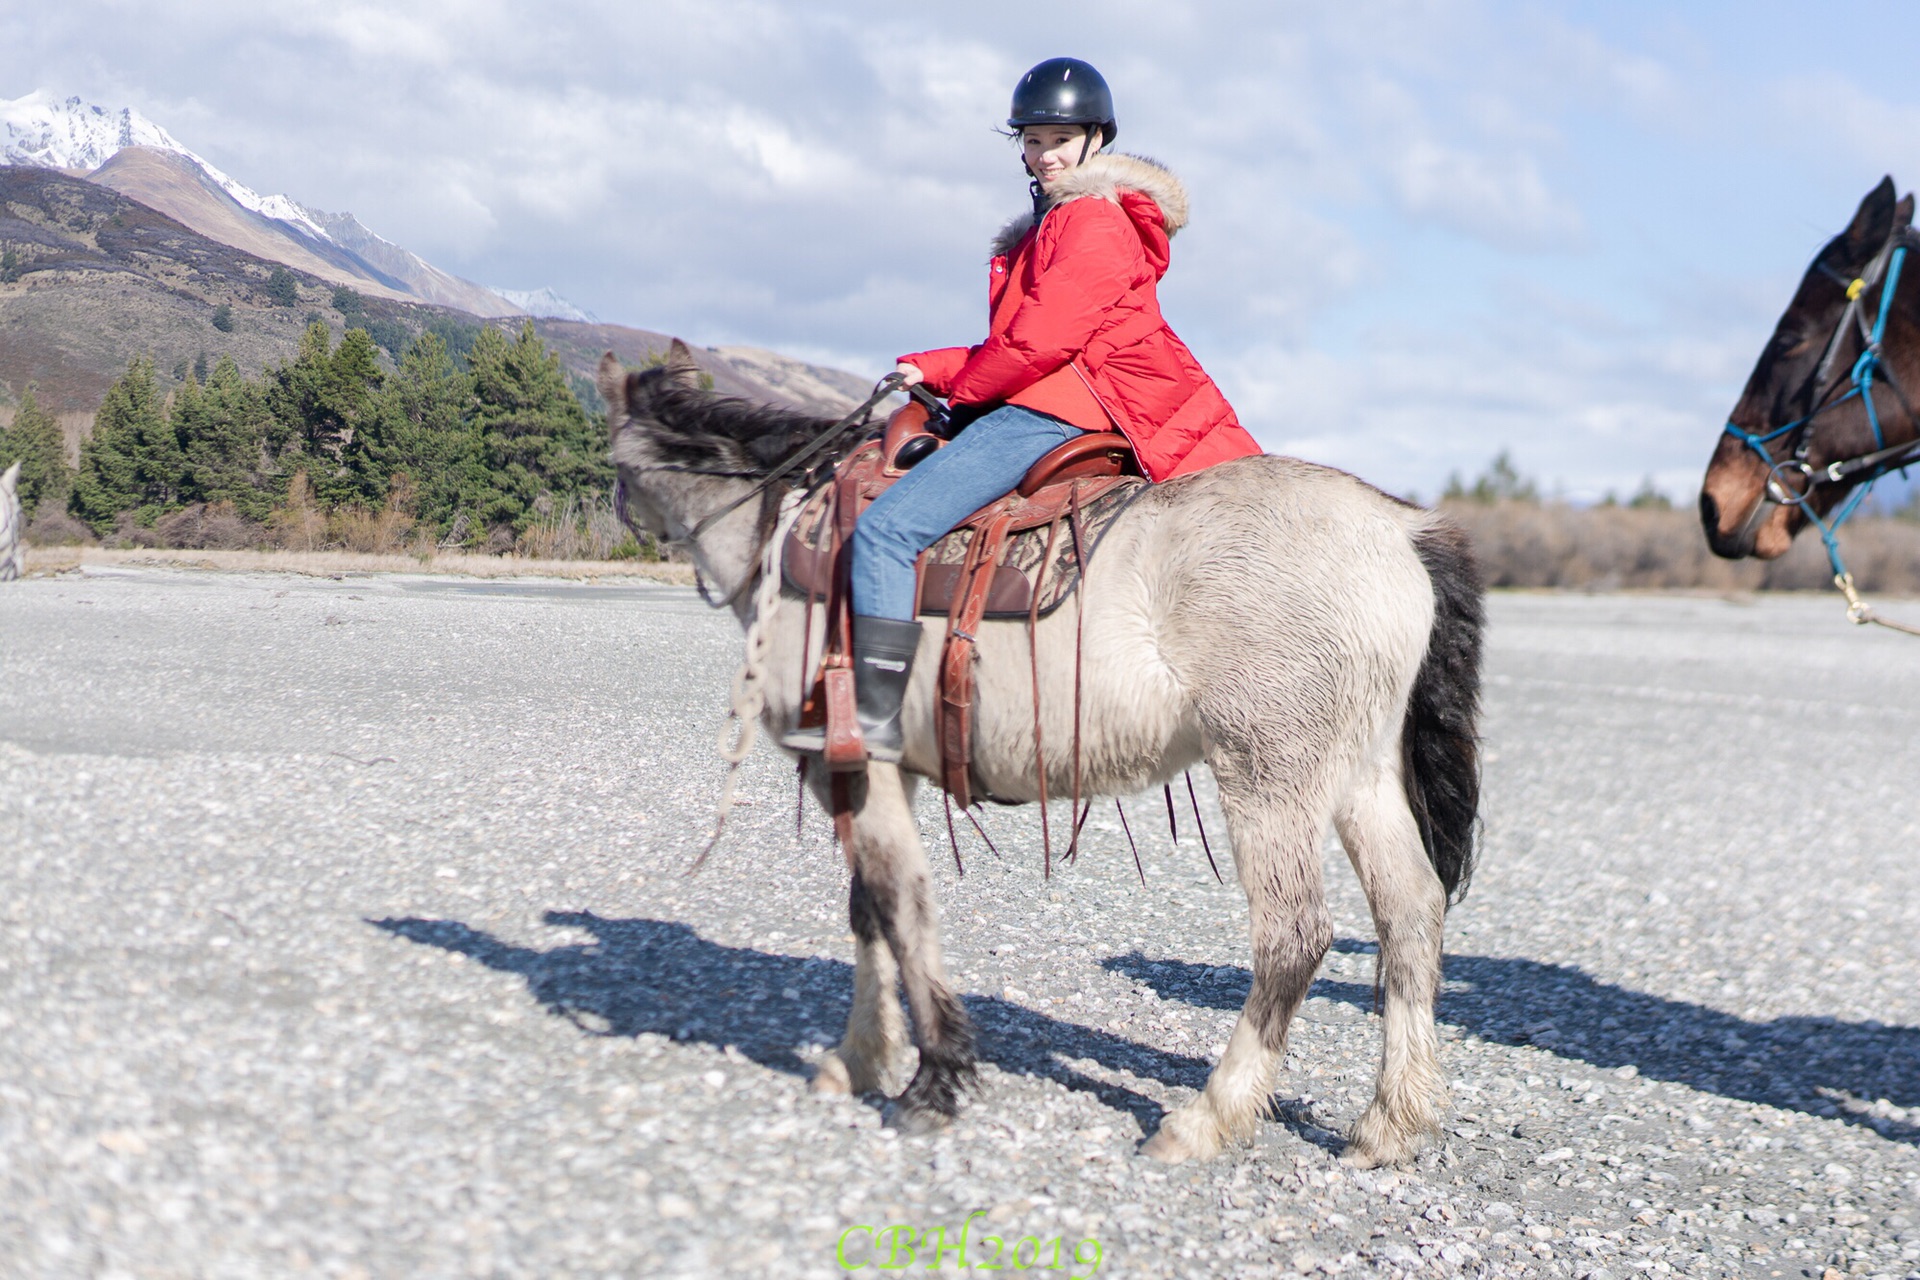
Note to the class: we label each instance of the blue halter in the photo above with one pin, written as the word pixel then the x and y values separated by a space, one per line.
pixel 1882 460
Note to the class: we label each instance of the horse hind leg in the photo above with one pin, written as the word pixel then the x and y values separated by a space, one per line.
pixel 1276 836
pixel 1409 908
pixel 876 1038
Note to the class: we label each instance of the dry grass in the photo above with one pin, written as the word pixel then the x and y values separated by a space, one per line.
pixel 1527 544
pixel 47 561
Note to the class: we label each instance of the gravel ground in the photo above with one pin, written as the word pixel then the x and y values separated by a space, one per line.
pixel 344 930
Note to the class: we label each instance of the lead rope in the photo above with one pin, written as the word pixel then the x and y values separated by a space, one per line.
pixel 1860 613
pixel 749 692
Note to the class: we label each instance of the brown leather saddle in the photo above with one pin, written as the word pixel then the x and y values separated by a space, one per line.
pixel 1020 556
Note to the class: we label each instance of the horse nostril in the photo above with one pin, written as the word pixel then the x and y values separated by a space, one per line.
pixel 1709 512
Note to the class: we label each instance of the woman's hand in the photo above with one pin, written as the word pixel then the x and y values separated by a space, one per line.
pixel 909 375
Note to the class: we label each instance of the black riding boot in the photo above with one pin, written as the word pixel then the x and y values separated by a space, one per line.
pixel 883 650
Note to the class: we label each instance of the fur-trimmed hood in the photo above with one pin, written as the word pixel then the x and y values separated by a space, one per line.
pixel 1106 176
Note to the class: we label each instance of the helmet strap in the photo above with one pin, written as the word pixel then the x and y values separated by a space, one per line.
pixel 1086 145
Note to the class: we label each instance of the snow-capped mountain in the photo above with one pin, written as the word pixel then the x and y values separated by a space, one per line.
pixel 82 139
pixel 545 304
pixel 79 137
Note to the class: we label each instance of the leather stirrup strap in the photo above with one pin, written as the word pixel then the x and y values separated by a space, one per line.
pixel 956 659
pixel 1079 632
pixel 1033 667
pixel 843 749
pixel 956 668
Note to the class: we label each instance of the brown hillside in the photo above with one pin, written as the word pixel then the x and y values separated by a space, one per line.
pixel 105 278
pixel 179 188
pixel 423 281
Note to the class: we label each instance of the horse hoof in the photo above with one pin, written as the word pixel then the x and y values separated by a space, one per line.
pixel 1186 1133
pixel 916 1122
pixel 1373 1144
pixel 1167 1148
pixel 831 1078
pixel 1359 1155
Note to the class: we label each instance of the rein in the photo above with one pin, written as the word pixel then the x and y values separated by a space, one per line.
pixel 1883 460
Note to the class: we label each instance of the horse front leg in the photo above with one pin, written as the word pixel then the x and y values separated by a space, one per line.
pixel 893 900
pixel 867 1057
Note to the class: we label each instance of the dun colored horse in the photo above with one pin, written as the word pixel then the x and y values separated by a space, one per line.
pixel 1313 641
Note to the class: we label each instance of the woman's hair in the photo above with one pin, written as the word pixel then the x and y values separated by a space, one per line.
pixel 1014 134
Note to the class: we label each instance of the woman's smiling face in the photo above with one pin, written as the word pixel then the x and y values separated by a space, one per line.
pixel 1052 149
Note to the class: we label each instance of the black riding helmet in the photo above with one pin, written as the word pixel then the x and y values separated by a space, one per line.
pixel 1064 91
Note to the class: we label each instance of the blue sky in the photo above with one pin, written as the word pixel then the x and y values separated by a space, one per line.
pixel 1423 232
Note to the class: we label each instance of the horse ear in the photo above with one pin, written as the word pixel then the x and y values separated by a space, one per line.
pixel 681 366
pixel 1903 212
pixel 611 378
pixel 1872 222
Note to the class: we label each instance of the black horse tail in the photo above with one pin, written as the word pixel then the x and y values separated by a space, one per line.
pixel 1440 740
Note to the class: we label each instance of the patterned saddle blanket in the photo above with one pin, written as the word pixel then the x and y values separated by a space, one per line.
pixel 1047 545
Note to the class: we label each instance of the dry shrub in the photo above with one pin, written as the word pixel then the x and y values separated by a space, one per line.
pixel 297 523
pixel 1525 544
pixel 129 532
pixel 589 530
pixel 456 537
pixel 207 527
pixel 383 532
pixel 53 527
pixel 1882 555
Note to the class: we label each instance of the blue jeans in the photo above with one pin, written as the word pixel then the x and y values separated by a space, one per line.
pixel 983 462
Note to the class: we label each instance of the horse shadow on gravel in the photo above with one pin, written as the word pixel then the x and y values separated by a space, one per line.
pixel 1865 1073
pixel 660 977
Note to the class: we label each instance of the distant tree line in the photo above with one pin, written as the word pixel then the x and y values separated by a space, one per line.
pixel 36 442
pixel 472 448
pixel 1503 482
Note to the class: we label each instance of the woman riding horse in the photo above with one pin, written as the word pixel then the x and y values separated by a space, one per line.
pixel 1076 343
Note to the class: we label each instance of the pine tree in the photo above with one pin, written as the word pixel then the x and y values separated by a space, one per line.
pixel 322 403
pixel 223 318
pixel 283 290
pixel 534 436
pixel 36 442
pixel 225 428
pixel 419 431
pixel 132 461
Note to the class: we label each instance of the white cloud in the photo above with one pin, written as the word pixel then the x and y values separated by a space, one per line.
pixel 1500 199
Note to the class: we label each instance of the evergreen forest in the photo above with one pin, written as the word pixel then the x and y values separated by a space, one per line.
pixel 470 440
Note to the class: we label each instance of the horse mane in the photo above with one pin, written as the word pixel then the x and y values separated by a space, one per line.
pixel 702 429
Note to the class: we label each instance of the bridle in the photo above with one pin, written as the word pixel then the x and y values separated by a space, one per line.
pixel 1825 393
pixel 804 461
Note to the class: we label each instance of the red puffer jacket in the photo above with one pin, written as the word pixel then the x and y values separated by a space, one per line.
pixel 1076 328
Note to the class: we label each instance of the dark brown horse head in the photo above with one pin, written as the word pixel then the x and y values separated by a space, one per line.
pixel 1804 367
